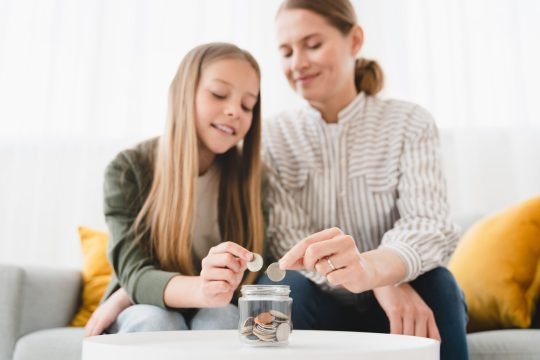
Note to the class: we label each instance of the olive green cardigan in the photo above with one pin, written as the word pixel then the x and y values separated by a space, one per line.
pixel 128 179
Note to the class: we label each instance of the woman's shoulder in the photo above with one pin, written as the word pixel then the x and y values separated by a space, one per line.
pixel 400 115
pixel 396 106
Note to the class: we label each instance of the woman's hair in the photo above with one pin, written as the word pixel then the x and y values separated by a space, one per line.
pixel 368 74
pixel 167 214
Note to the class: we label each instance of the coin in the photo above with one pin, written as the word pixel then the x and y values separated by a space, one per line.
pixel 264 318
pixel 255 264
pixel 279 316
pixel 267 327
pixel 283 331
pixel 274 272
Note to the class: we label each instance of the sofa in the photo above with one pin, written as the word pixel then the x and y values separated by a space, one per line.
pixel 37 304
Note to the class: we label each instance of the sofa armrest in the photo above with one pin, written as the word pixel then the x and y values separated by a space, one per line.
pixel 35 298
pixel 10 294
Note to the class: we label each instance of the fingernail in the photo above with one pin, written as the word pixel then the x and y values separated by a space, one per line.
pixel 250 256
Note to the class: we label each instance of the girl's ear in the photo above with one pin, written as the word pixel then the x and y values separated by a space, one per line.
pixel 357 38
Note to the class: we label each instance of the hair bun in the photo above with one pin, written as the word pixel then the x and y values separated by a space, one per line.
pixel 368 76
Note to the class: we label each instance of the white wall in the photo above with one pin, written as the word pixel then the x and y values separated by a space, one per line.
pixel 82 79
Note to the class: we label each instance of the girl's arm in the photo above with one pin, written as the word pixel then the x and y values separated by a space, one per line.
pixel 107 312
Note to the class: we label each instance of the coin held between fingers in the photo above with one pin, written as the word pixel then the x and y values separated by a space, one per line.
pixel 256 263
pixel 274 272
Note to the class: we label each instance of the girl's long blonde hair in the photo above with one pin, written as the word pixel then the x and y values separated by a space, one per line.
pixel 167 214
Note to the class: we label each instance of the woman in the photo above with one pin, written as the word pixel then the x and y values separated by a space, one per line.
pixel 357 195
pixel 184 210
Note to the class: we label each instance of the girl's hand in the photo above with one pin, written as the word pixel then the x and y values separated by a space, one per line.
pixel 222 272
pixel 407 312
pixel 107 313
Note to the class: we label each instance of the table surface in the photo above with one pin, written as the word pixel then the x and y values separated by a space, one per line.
pixel 225 344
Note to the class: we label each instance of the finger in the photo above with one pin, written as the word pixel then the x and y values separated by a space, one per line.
pixel 297 265
pixel 432 329
pixel 88 329
pixel 420 326
pixel 337 261
pixel 233 248
pixel 341 244
pixel 396 322
pixel 341 276
pixel 408 324
pixel 98 329
pixel 298 251
pixel 222 260
pixel 322 267
pixel 219 274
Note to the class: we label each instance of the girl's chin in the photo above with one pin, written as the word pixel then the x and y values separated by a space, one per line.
pixel 220 150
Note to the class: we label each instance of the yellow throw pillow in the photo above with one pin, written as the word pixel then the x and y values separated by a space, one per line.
pixel 96 272
pixel 497 264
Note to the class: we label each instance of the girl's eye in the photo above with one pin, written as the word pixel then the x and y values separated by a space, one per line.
pixel 247 108
pixel 218 96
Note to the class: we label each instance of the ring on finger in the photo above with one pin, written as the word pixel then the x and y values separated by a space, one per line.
pixel 331 264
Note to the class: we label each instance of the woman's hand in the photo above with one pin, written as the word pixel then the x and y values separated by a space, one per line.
pixel 335 255
pixel 107 313
pixel 222 272
pixel 407 312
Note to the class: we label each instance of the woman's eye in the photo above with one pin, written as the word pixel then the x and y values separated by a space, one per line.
pixel 314 46
pixel 286 53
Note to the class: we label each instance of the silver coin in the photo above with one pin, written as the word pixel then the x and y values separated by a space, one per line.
pixel 274 272
pixel 282 332
pixel 255 264
pixel 279 316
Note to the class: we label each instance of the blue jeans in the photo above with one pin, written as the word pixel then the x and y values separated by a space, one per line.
pixel 314 309
pixel 141 317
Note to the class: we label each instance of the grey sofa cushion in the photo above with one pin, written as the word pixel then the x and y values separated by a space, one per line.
pixel 514 344
pixel 58 343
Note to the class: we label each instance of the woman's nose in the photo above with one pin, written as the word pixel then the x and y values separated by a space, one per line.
pixel 299 61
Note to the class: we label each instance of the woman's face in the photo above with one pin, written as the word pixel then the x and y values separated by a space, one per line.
pixel 317 59
pixel 224 102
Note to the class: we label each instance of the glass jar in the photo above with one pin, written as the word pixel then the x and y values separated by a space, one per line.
pixel 265 315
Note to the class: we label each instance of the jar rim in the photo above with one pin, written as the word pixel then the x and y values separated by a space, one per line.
pixel 256 289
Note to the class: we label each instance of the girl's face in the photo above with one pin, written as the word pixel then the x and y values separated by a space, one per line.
pixel 317 59
pixel 224 101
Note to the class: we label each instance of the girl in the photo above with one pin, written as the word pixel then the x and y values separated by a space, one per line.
pixel 184 210
pixel 357 195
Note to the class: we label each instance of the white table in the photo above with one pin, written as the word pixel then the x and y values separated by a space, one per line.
pixel 224 344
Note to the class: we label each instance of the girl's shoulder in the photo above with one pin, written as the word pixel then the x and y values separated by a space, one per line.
pixel 132 168
pixel 140 157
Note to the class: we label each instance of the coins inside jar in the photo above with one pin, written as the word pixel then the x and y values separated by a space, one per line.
pixel 268 327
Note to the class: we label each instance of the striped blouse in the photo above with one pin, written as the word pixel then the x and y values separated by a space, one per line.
pixel 376 174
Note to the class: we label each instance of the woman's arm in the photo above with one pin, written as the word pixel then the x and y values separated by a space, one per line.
pixel 424 236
